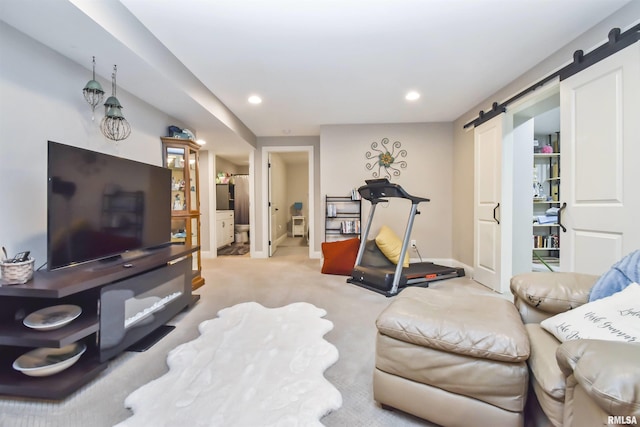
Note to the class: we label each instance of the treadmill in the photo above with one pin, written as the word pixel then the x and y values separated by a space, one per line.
pixel 389 280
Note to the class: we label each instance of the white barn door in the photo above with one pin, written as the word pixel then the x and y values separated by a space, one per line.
pixel 600 166
pixel 487 196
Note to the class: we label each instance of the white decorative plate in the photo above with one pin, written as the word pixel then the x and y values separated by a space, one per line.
pixel 45 361
pixel 52 317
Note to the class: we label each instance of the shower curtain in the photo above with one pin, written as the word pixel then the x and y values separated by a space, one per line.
pixel 241 199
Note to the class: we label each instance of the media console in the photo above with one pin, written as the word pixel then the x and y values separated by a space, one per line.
pixel 122 303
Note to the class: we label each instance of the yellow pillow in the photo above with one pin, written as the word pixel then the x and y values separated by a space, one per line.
pixel 391 245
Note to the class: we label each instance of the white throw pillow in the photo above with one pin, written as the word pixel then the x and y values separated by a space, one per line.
pixel 614 318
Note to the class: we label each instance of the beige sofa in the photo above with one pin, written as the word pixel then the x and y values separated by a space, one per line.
pixel 577 383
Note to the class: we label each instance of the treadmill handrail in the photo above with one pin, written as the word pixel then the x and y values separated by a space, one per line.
pixel 375 190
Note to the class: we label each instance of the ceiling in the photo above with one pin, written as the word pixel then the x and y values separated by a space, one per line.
pixel 313 62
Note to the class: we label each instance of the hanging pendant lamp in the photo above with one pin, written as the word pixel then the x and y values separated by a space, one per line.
pixel 92 91
pixel 114 126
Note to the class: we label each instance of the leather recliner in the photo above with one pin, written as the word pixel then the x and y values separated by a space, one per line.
pixel 579 383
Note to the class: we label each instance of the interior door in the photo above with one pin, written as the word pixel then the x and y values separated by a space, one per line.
pixel 488 139
pixel 522 206
pixel 273 209
pixel 600 124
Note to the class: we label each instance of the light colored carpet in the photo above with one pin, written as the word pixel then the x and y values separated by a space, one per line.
pixel 293 241
pixel 286 278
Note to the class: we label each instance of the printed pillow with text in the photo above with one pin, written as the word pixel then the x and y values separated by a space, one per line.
pixel 613 318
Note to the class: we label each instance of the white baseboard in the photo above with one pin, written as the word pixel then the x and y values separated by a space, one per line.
pixel 468 270
pixel 281 239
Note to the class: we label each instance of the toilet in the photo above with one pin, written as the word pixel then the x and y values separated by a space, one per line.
pixel 242 233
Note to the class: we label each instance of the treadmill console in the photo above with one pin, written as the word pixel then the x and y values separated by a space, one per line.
pixel 376 189
pixel 377 181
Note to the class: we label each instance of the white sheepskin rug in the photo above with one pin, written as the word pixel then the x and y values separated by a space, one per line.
pixel 251 366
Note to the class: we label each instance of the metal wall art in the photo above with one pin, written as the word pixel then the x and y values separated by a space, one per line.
pixel 385 162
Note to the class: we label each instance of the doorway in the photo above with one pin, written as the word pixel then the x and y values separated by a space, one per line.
pixel 535 127
pixel 232 194
pixel 289 215
pixel 504 196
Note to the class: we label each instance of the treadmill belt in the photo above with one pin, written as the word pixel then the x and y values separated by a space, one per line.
pixel 381 279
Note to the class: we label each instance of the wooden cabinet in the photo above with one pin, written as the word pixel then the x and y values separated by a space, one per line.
pixel 342 218
pixel 182 157
pixel 85 287
pixel 224 228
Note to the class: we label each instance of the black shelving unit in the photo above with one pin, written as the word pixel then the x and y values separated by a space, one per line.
pixel 82 286
pixel 343 216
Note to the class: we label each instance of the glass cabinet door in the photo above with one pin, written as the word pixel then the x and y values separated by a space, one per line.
pixel 178 230
pixel 193 181
pixel 176 162
pixel 195 240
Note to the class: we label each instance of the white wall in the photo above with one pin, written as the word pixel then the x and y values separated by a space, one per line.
pixel 428 174
pixel 225 166
pixel 40 100
pixel 207 219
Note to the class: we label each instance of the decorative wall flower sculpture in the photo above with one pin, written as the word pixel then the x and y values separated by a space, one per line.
pixel 385 163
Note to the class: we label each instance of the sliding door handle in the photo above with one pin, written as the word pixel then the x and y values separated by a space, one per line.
pixel 564 229
pixel 494 213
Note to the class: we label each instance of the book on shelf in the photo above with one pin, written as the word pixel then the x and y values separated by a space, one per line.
pixel 551 241
pixel 350 227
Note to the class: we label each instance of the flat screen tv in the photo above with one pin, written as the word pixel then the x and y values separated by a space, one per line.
pixel 101 206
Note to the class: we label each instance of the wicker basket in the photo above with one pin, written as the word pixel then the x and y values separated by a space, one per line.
pixel 14 273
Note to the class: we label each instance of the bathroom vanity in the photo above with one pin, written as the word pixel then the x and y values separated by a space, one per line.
pixel 224 228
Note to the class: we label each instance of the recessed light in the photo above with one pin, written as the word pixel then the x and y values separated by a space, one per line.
pixel 255 99
pixel 412 96
pixel 201 142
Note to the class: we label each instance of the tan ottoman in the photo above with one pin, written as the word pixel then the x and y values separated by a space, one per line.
pixel 453 361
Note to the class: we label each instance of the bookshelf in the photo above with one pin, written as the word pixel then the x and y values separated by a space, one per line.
pixel 343 216
pixel 546 206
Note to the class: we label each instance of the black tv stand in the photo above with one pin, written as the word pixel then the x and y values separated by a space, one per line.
pixel 131 255
pixel 151 339
pixel 84 287
pixel 120 259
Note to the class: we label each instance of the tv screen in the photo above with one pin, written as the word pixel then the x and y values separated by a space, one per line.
pixel 101 206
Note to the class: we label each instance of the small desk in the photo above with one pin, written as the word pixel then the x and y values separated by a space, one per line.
pixel 297 226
